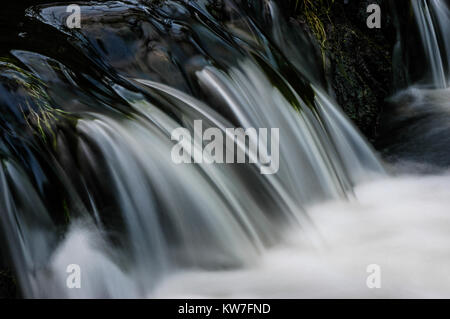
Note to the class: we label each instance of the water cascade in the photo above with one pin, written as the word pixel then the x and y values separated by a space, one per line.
pixel 87 176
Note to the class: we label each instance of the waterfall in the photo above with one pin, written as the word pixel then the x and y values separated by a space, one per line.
pixel 419 111
pixel 103 134
pixel 433 20
pixel 88 178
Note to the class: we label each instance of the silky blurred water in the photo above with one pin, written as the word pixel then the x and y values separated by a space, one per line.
pixel 87 178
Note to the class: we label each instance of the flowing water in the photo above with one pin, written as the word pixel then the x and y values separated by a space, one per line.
pixel 433 19
pixel 87 177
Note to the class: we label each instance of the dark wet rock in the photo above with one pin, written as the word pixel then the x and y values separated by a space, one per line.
pixel 415 129
pixel 357 60
pixel 8 287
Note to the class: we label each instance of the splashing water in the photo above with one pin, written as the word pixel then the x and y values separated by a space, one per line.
pixel 400 224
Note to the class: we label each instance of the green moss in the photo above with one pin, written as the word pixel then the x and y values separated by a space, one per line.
pixel 66 212
pixel 40 116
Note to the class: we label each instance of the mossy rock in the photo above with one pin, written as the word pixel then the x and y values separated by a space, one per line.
pixel 357 60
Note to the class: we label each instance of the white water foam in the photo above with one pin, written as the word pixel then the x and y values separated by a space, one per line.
pixel 401 224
